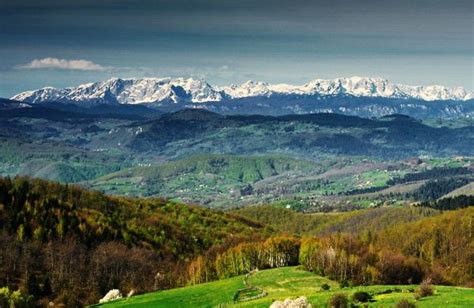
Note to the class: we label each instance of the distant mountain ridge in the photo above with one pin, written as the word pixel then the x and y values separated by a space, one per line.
pixel 162 91
pixel 127 91
pixel 354 86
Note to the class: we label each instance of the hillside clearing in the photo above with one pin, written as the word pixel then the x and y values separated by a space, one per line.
pixel 291 282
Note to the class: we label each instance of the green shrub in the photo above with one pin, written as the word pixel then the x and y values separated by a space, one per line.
pixel 338 300
pixel 404 303
pixel 362 297
pixel 10 298
pixel 325 287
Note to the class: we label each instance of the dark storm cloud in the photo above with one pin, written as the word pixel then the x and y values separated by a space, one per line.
pixel 287 17
pixel 263 38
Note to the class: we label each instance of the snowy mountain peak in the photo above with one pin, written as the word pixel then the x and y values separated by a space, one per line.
pixel 357 86
pixel 176 90
pixel 129 91
pixel 380 87
pixel 248 89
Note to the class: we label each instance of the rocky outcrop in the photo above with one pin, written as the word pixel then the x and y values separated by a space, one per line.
pixel 111 296
pixel 300 302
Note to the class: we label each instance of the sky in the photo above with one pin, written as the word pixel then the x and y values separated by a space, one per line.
pixel 65 43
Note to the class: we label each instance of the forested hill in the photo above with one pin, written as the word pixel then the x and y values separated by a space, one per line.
pixel 42 210
pixel 66 243
pixel 309 135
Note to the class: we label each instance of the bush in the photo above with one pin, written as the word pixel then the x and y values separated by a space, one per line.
pixel 361 296
pixel 425 289
pixel 10 298
pixel 325 287
pixel 404 303
pixel 338 300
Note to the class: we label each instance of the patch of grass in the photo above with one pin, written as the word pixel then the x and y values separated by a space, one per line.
pixel 202 295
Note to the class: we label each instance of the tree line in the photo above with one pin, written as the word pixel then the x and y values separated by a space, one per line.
pixel 434 189
pixel 439 248
pixel 450 203
pixel 437 172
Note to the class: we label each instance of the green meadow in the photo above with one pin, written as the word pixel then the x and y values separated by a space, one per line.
pixel 292 282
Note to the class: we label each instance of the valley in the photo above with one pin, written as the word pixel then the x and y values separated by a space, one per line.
pixel 317 162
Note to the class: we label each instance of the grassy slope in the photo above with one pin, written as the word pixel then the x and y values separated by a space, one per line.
pixel 287 282
pixel 206 294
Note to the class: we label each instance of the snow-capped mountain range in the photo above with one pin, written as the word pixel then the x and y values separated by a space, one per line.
pixel 182 90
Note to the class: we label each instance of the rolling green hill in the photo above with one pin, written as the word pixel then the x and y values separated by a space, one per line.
pixel 200 178
pixel 290 282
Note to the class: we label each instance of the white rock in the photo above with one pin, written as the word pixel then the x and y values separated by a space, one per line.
pixel 300 302
pixel 111 296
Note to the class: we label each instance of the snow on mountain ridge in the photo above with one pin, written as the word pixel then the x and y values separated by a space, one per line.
pixel 175 90
pixel 356 86
pixel 149 90
pixel 129 91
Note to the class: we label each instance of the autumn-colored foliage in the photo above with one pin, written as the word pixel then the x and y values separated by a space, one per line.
pixel 439 248
pixel 69 245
